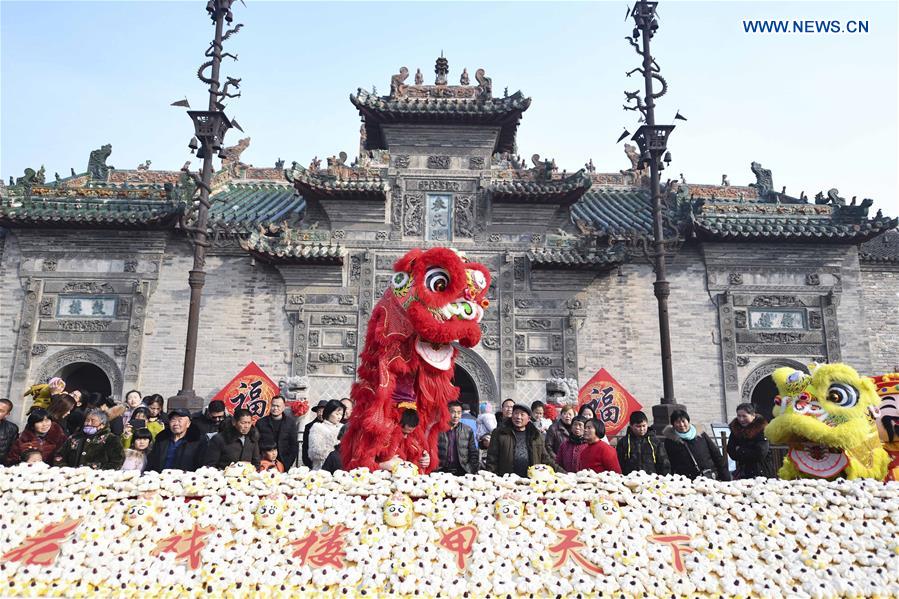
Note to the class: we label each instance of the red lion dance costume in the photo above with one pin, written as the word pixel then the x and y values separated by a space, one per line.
pixel 436 297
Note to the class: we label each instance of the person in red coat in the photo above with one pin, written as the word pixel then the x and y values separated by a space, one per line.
pixel 597 455
pixel 41 434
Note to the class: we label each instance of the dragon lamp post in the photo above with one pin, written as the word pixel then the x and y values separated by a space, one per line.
pixel 652 140
pixel 210 127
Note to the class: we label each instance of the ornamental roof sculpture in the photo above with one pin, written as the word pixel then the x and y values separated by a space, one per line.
pixel 282 243
pixel 440 103
pixel 338 180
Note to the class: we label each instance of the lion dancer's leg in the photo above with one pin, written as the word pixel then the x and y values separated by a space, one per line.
pixel 435 391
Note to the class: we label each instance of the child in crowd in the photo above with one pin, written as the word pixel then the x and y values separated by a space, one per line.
pixel 269 458
pixel 136 455
pixel 32 456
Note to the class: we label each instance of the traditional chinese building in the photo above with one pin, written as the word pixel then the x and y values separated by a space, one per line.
pixel 94 265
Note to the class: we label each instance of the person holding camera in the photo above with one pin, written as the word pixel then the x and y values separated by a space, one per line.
pixel 691 451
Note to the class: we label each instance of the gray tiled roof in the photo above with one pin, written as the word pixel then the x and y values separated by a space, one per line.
pixel 883 249
pixel 277 249
pixel 101 206
pixel 576 257
pixel 614 212
pixel 323 184
pixel 565 191
pixel 246 205
pixel 376 110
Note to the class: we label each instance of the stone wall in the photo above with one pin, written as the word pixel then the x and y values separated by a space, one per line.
pixel 11 296
pixel 242 319
pixel 621 334
pixel 880 324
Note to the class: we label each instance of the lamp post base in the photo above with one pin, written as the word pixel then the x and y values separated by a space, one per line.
pixel 186 399
pixel 661 415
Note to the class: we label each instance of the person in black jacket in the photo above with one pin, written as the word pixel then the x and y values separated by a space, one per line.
pixel 179 447
pixel 639 449
pixel 456 449
pixel 281 429
pixel 747 445
pixel 692 452
pixel 239 442
pixel 211 420
pixel 9 432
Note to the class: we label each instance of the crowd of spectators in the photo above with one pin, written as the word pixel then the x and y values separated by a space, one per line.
pixel 85 429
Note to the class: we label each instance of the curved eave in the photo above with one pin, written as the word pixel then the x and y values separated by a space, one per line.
pixel 573 260
pixel 118 221
pixel 830 232
pixel 275 257
pixel 378 112
pixel 316 191
pixel 565 192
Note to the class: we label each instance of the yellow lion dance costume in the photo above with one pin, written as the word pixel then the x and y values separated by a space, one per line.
pixel 827 419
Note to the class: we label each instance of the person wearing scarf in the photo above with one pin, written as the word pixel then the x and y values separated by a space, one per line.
pixel 747 445
pixel 568 456
pixel 691 451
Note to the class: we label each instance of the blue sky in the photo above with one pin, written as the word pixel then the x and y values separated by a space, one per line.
pixel 820 110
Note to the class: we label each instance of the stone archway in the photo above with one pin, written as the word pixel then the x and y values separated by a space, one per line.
pixel 67 357
pixel 759 389
pixel 480 373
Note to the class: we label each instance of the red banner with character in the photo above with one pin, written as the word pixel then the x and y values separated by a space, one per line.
pixel 251 390
pixel 611 402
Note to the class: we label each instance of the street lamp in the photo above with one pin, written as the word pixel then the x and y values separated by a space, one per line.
pixel 652 141
pixel 210 127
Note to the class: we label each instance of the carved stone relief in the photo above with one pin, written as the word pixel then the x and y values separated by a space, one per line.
pixel 412 213
pixel 87 287
pixel 476 163
pixel 519 342
pixel 401 161
pixel 49 265
pixel 130 265
pixel 814 319
pixel 38 349
pixel 538 361
pixel 85 326
pixel 776 301
pixel 328 319
pixel 331 357
pixel 349 369
pixel 46 309
pixel 520 263
pixel 313 338
pixel 464 216
pixel 355 268
pixel 735 278
pixel 740 319
pixel 780 337
pixel 812 279
pixel 298 365
pixel 438 162
pixel 134 349
pixel 490 342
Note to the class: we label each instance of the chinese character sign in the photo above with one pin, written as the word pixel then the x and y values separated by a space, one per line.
pixel 609 400
pixel 570 548
pixel 460 541
pixel 251 390
pixel 679 544
pixel 41 549
pixel 322 549
pixel 186 546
